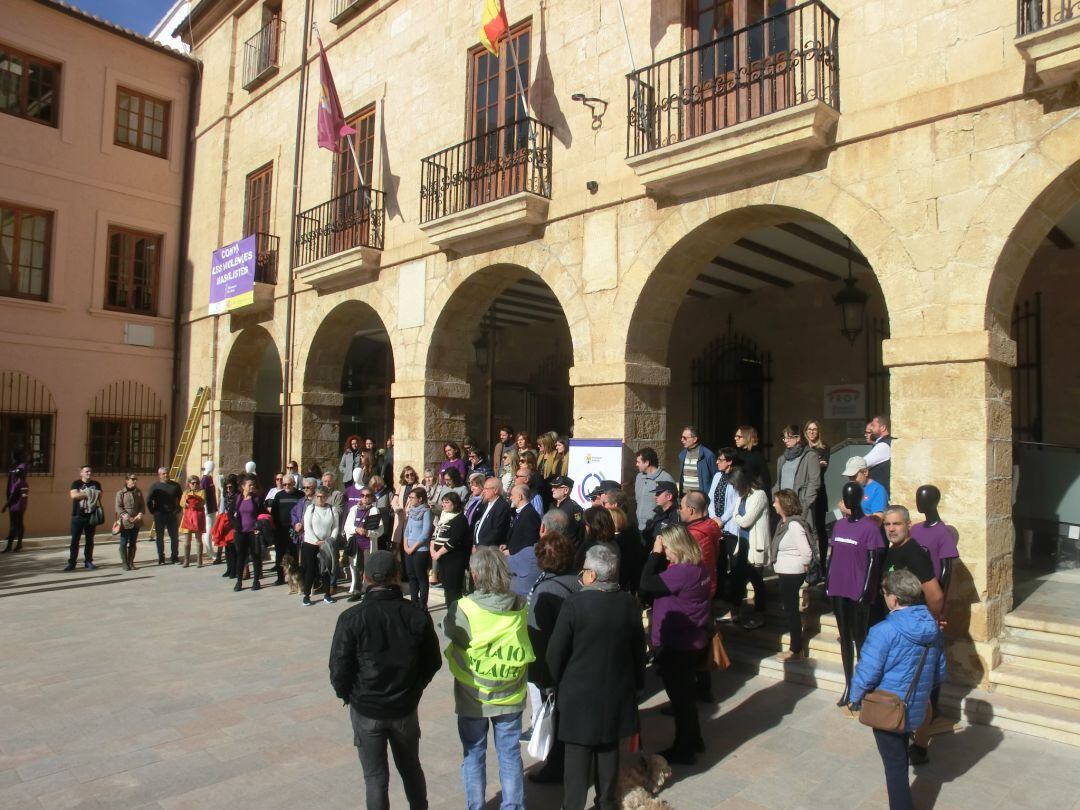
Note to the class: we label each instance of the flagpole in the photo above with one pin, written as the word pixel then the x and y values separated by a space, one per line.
pixel 521 93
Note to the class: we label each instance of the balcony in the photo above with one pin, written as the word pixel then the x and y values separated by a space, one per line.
pixel 339 243
pixel 757 103
pixel 262 54
pixel 1048 37
pixel 266 267
pixel 490 190
pixel 345 10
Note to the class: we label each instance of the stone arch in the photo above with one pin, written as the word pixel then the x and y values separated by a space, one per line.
pixel 1026 202
pixel 321 396
pixel 469 287
pixel 248 413
pixel 668 258
pixel 239 377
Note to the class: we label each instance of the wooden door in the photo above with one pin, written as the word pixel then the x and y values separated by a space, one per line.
pixel 738 69
pixel 498 149
pixel 353 184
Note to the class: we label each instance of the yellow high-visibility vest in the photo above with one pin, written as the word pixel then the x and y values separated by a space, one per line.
pixel 493 668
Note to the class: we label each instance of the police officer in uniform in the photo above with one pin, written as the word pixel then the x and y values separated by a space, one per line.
pixel 560 491
pixel 666 512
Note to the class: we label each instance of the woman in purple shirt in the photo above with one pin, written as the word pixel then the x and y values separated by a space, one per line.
pixel 680 618
pixel 453 460
pixel 247 549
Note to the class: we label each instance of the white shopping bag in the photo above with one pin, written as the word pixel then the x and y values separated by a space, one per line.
pixel 543 730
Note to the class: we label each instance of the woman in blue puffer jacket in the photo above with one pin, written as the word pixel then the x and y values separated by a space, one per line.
pixel 889 661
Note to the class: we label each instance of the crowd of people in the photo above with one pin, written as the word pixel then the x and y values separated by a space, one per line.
pixel 552 604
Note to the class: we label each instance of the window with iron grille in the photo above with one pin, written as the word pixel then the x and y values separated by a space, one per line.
pixel 25 241
pixel 29 86
pixel 134 262
pixel 142 122
pixel 125 429
pixel 27 421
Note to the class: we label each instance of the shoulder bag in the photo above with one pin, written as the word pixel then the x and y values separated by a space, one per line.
pixel 887 712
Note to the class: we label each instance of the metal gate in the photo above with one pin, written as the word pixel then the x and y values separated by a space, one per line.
pixel 877 376
pixel 1027 421
pixel 730 382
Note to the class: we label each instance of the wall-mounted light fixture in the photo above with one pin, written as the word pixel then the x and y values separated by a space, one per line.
pixel 597 108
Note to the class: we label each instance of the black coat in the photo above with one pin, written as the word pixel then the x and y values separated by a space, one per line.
pixel 597 658
pixel 524 529
pixel 496 526
pixel 384 653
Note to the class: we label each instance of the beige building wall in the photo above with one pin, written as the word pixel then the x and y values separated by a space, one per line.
pixel 947 165
pixel 70 342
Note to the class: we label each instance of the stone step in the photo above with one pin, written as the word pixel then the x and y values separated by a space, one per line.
pixel 1042 654
pixel 1024 634
pixel 1057 688
pixel 1020 714
pixel 959 704
pixel 1032 619
pixel 773 639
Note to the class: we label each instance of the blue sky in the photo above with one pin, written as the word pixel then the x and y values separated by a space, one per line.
pixel 138 15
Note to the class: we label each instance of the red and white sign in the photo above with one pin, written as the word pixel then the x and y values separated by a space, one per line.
pixel 845 401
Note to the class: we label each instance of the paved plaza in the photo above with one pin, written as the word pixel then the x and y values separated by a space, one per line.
pixel 161 688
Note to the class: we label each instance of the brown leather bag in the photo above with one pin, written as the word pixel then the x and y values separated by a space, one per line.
pixel 886 711
pixel 717 659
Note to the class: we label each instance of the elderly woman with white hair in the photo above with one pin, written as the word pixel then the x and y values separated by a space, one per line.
pixel 597 659
pixel 488 654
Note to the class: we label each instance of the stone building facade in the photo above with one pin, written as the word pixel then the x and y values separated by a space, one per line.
pixel 93 148
pixel 932 146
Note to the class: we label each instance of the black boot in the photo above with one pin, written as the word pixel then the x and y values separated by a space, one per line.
pixel 10 543
pixel 18 544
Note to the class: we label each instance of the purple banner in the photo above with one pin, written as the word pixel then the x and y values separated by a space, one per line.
pixel 232 276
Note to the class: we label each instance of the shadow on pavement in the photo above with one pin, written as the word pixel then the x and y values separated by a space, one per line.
pixel 951 757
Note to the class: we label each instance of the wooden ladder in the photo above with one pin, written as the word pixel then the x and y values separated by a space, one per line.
pixel 187 438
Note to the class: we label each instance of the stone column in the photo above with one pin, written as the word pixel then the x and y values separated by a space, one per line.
pixel 314 419
pixel 952 428
pixel 427 414
pixel 235 419
pixel 626 401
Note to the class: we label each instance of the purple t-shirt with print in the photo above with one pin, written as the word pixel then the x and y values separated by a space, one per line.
pixel 849 563
pixel 939 540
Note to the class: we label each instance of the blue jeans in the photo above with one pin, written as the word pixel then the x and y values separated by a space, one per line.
pixel 894 756
pixel 473 734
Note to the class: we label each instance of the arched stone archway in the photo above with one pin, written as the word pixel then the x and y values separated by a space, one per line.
pixel 529 314
pixel 792 315
pixel 352 337
pixel 249 405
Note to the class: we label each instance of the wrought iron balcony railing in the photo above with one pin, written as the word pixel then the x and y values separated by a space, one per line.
pixel 1035 15
pixel 353 219
pixel 262 53
pixel 778 62
pixel 507 160
pixel 345 9
pixel 266 258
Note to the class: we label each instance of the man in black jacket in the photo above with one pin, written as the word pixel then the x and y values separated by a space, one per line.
pixel 384 654
pixel 163 502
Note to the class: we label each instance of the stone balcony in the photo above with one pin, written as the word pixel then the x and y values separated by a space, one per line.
pixel 339 243
pixel 757 103
pixel 1048 37
pixel 489 191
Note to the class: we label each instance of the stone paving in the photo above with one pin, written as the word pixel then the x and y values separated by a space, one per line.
pixel 161 688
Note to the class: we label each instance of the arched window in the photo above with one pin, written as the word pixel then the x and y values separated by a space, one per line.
pixel 125 429
pixel 27 421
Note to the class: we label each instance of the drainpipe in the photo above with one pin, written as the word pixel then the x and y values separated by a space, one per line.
pixel 286 370
pixel 182 251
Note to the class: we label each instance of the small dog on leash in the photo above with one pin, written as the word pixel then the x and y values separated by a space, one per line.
pixel 640 780
pixel 292 573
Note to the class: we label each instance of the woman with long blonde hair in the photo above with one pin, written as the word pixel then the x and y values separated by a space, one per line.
pixel 680 634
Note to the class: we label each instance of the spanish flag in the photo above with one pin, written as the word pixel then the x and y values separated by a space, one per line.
pixel 493 25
